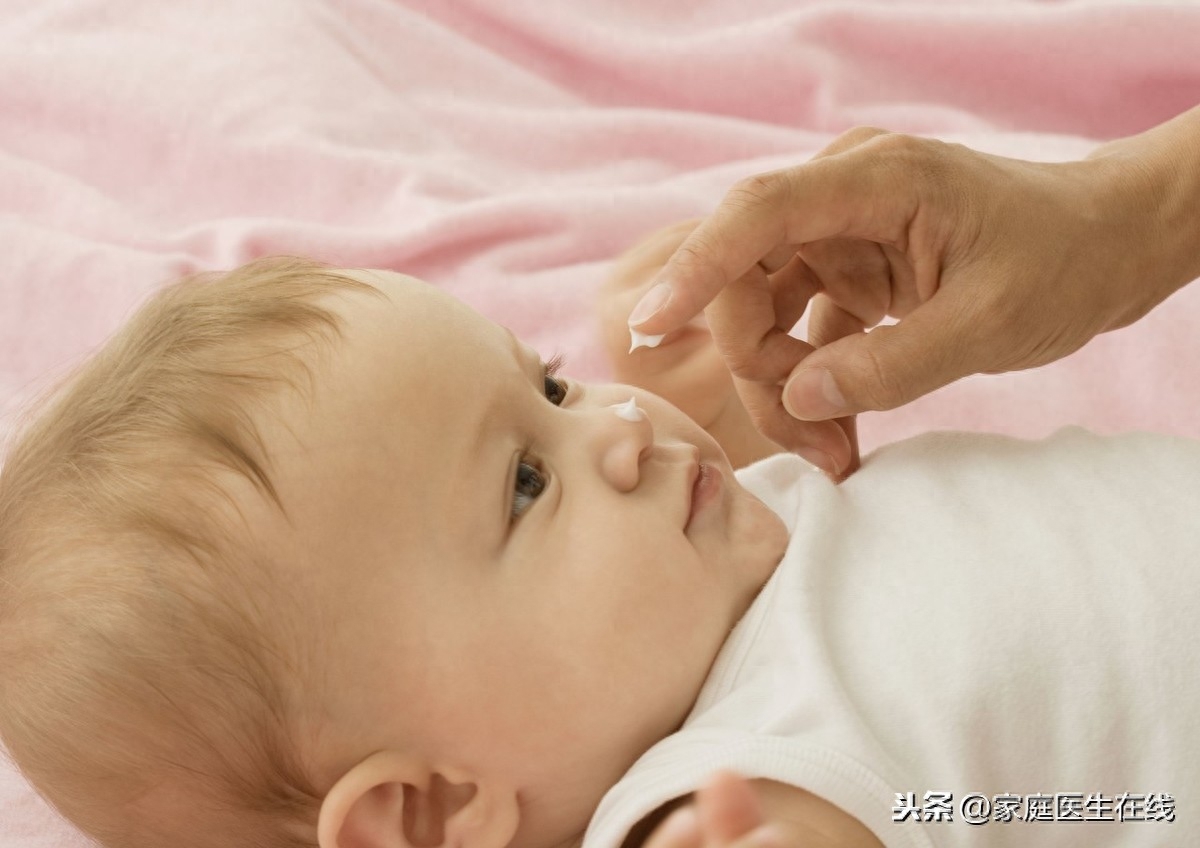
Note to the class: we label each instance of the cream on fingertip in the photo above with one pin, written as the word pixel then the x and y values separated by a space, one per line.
pixel 639 339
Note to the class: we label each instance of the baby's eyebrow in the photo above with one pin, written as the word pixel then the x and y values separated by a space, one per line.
pixel 518 350
pixel 488 421
pixel 481 450
pixel 515 343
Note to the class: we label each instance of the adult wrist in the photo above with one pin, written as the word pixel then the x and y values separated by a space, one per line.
pixel 1153 181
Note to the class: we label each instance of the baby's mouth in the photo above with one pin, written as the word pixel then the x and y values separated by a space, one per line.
pixel 707 480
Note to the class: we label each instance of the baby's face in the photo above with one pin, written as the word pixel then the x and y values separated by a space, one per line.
pixel 512 578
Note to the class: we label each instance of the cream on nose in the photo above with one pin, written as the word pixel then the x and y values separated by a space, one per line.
pixel 628 410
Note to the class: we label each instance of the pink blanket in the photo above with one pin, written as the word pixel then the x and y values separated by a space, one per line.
pixel 508 150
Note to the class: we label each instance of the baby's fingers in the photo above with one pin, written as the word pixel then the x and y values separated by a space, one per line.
pixel 681 829
pixel 765 836
pixel 728 808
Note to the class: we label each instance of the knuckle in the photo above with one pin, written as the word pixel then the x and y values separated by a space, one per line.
pixel 935 167
pixel 763 358
pixel 860 134
pixel 696 255
pixel 744 359
pixel 883 388
pixel 923 156
pixel 851 139
pixel 758 190
pixel 902 143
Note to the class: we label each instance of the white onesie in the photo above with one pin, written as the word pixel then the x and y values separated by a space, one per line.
pixel 990 639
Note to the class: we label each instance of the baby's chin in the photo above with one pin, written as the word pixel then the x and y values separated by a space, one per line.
pixel 760 539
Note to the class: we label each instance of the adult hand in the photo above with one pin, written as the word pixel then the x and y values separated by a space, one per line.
pixel 992 265
pixel 685 368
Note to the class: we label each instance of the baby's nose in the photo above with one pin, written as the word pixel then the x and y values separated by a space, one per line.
pixel 623 447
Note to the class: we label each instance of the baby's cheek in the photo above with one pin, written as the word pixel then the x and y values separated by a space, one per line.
pixel 766 538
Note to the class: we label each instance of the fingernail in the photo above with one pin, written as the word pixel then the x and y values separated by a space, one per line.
pixel 638 339
pixel 813 396
pixel 651 302
pixel 820 459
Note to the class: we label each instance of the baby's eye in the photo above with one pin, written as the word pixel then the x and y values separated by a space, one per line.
pixel 555 388
pixel 529 484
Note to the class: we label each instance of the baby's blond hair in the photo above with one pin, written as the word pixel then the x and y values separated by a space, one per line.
pixel 158 675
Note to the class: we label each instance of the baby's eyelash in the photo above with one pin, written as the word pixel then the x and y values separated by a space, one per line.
pixel 530 474
pixel 555 388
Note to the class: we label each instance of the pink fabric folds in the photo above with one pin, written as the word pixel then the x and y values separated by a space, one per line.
pixel 508 151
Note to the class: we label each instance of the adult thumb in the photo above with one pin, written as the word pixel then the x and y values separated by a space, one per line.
pixel 886 367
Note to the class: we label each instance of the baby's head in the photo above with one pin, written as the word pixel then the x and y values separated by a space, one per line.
pixel 307 556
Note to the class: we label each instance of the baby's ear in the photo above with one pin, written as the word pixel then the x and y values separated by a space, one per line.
pixel 393 800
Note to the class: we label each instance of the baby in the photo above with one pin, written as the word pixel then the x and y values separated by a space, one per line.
pixel 311 557
pixel 431 591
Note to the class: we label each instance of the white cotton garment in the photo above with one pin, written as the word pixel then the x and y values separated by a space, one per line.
pixel 973 615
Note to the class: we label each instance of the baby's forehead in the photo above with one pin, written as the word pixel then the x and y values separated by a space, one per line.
pixel 424 311
pixel 416 344
pixel 420 384
pixel 407 296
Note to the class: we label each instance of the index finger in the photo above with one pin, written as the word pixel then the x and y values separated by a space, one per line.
pixel 764 218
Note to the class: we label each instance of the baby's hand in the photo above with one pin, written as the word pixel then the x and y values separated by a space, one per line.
pixel 685 368
pixel 725 814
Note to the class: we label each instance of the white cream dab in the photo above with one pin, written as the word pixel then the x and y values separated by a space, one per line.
pixel 640 339
pixel 628 410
